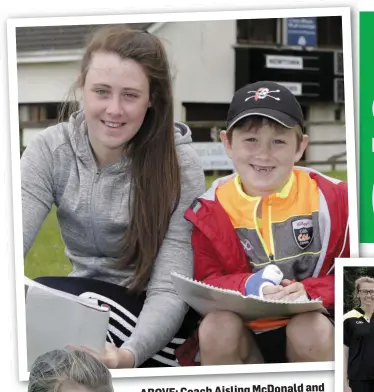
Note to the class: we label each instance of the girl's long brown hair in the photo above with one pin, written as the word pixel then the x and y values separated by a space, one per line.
pixel 155 176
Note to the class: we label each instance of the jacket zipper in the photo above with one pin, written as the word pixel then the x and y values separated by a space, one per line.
pixel 272 249
pixel 269 255
pixel 93 210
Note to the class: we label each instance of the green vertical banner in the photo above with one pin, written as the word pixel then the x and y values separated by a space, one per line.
pixel 366 117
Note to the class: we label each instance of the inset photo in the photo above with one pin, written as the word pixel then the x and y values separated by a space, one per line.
pixel 355 330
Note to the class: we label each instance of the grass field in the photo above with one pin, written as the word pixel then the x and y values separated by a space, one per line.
pixel 47 258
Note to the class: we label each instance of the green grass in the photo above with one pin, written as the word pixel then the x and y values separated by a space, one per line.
pixel 46 257
pixel 340 175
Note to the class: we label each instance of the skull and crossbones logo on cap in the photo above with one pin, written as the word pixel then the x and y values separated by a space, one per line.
pixel 262 93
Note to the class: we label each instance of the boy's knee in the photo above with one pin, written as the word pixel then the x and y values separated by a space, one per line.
pixel 310 335
pixel 221 331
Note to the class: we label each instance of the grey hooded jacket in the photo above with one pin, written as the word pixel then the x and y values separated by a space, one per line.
pixel 58 168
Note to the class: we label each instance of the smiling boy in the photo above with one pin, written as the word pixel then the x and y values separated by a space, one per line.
pixel 269 212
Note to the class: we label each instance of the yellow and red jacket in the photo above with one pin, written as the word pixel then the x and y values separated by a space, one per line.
pixel 304 228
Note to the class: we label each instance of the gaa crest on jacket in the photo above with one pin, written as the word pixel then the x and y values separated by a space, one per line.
pixel 303 232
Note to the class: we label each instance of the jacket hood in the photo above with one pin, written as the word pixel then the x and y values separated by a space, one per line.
pixel 182 133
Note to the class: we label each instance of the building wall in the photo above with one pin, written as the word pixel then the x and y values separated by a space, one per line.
pixel 45 82
pixel 201 56
pixel 202 61
pixel 331 132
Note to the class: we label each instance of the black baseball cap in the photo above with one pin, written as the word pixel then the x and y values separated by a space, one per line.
pixel 267 99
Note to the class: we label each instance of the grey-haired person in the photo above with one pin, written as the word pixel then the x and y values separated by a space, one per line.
pixel 69 371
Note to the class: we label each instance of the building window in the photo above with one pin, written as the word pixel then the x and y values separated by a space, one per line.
pixel 329 32
pixel 257 31
pixel 203 117
pixel 45 112
pixel 51 111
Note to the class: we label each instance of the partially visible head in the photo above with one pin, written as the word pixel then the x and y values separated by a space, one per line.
pixel 364 291
pixel 264 137
pixel 69 371
pixel 126 87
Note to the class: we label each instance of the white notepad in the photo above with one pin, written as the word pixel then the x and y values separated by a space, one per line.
pixel 55 319
pixel 205 299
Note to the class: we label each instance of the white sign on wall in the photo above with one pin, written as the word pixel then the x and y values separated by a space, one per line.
pixel 213 156
pixel 295 88
pixel 284 62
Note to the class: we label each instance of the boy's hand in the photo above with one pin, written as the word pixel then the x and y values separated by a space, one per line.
pixel 273 292
pixel 288 290
pixel 293 290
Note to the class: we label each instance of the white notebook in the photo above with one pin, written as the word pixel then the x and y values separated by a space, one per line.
pixel 205 299
pixel 55 319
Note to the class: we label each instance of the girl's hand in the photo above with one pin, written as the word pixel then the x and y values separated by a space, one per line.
pixel 112 357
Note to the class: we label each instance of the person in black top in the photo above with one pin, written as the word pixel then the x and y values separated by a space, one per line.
pixel 359 339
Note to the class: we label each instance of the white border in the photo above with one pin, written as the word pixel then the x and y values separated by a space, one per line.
pixel 179 17
pixel 366 249
pixel 350 134
pixel 173 17
pixel 340 264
